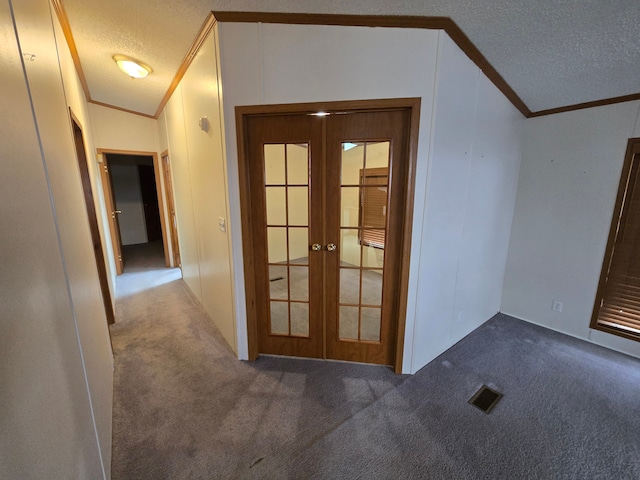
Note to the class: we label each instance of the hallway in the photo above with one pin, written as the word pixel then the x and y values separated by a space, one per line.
pixel 186 408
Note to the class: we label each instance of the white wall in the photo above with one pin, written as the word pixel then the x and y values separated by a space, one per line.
pixel 173 116
pixel 125 182
pixel 56 364
pixel 571 168
pixel 469 195
pixel 475 157
pixel 78 105
pixel 117 130
pixel 197 160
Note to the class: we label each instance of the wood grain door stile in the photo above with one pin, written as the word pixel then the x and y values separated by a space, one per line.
pixel 382 127
pixel 114 225
pixel 285 130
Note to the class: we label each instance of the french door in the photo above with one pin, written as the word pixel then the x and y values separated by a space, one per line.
pixel 325 201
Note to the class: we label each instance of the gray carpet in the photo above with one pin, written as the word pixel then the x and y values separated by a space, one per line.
pixel 185 408
pixel 143 257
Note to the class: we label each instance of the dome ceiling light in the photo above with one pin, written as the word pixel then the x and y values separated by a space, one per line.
pixel 131 67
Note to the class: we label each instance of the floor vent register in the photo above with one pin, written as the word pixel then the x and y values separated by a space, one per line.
pixel 485 399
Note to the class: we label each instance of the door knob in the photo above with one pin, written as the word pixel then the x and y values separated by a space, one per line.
pixel 316 247
pixel 118 212
pixel 331 247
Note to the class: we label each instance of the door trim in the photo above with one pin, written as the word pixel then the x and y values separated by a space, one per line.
pixel 242 115
pixel 159 189
pixel 170 205
pixel 92 217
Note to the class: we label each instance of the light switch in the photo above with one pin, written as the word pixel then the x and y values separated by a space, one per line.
pixel 222 224
pixel 203 123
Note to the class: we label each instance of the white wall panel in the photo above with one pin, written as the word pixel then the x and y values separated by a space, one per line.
pixel 163 141
pixel 117 130
pixel 443 222
pixel 473 175
pixel 173 114
pixel 309 63
pixel 56 359
pixel 566 193
pixel 241 85
pixel 35 29
pixel 198 167
pixel 492 183
pixel 200 96
pixel 78 105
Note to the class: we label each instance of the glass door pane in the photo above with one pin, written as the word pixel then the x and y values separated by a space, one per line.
pixel 286 174
pixel 325 250
pixel 364 185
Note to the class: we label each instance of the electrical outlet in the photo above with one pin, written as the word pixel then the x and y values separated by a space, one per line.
pixel 557 306
pixel 222 224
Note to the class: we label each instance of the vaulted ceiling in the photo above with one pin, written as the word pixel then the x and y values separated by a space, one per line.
pixel 552 53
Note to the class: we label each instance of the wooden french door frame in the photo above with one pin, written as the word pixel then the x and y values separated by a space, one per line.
pixel 92 215
pixel 105 175
pixel 243 114
pixel 112 219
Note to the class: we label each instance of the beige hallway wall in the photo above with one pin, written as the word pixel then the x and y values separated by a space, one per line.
pixel 198 167
pixel 56 357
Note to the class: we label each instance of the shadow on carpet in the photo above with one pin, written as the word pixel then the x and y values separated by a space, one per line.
pixel 186 408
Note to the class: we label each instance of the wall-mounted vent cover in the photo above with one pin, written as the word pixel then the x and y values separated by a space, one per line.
pixel 485 399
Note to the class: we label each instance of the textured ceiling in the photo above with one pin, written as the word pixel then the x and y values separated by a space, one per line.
pixel 553 53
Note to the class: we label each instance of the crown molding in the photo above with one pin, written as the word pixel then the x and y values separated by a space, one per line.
pixel 581 106
pixel 115 107
pixel 203 33
pixel 389 21
pixel 429 23
pixel 71 43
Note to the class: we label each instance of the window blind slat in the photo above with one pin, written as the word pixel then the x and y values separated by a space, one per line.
pixel 617 324
pixel 373 198
pixel 619 301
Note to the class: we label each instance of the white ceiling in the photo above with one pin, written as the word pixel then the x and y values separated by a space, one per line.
pixel 553 53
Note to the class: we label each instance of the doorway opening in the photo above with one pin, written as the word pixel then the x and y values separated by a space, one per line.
pixel 133 194
pixel 327 201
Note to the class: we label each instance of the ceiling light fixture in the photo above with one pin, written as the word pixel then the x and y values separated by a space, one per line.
pixel 131 67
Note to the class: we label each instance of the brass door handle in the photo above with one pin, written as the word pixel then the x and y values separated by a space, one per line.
pixel 331 247
pixel 316 247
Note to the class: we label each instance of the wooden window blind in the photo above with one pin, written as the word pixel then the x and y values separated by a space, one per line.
pixel 617 305
pixel 373 206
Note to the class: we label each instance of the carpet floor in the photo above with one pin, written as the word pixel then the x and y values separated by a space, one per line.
pixel 186 408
